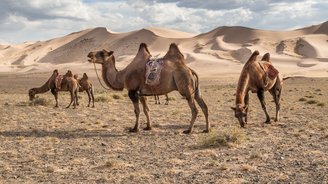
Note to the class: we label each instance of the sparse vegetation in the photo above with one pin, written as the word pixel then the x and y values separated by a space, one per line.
pixel 321 104
pixel 312 102
pixel 302 99
pixel 40 101
pixel 102 98
pixel 117 96
pixel 223 137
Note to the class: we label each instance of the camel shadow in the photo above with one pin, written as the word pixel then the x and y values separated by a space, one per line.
pixel 60 134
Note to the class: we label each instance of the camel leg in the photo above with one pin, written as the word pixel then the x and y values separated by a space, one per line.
pixel 276 94
pixel 246 104
pixel 76 97
pixel 167 99
pixel 133 94
pixel 55 93
pixel 155 97
pixel 194 113
pixel 75 102
pixel 260 95
pixel 143 101
pixel 204 108
pixel 72 99
pixel 89 97
pixel 93 97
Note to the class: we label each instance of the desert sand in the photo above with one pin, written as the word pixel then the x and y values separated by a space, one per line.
pixel 43 144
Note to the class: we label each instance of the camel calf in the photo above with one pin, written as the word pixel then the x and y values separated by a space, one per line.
pixel 87 86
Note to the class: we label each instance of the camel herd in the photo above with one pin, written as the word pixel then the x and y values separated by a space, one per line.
pixel 256 76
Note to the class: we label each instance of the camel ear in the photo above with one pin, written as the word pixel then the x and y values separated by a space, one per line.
pixel 233 108
pixel 266 57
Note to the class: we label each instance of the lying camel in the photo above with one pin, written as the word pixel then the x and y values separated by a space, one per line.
pixel 257 77
pixel 68 84
pixel 86 85
pixel 175 75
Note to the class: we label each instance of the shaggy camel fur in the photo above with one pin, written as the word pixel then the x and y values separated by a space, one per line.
pixel 158 101
pixel 254 77
pixel 175 75
pixel 86 85
pixel 68 84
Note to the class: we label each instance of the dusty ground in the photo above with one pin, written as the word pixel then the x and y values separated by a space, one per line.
pixel 92 145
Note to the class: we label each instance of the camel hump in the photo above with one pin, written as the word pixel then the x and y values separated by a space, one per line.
pixel 143 46
pixel 69 73
pixel 266 57
pixel 85 76
pixel 174 51
pixel 253 56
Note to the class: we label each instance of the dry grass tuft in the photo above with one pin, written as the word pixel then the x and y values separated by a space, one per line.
pixel 223 137
pixel 103 98
pixel 312 102
pixel 302 99
pixel 117 96
pixel 40 101
pixel 321 104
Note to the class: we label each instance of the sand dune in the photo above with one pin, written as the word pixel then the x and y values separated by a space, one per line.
pixel 223 47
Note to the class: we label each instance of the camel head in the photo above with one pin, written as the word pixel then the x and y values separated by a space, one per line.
pixel 31 93
pixel 100 57
pixel 240 113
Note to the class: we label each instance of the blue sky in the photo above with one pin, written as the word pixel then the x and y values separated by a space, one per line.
pixel 30 20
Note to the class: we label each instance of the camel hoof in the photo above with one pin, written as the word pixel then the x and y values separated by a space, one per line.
pixel 206 131
pixel 267 122
pixel 67 107
pixel 187 131
pixel 134 130
pixel 148 128
pixel 93 106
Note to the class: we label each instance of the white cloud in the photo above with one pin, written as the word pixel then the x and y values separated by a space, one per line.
pixel 38 20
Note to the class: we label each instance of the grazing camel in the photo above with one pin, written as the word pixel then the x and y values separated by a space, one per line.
pixel 68 84
pixel 158 101
pixel 257 77
pixel 175 75
pixel 87 86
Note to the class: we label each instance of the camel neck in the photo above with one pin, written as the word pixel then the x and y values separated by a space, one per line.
pixel 44 88
pixel 242 88
pixel 112 77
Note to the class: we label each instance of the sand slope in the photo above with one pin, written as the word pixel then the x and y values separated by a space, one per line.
pixel 222 50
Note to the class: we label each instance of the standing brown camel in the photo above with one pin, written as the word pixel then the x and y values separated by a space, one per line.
pixel 86 85
pixel 68 84
pixel 158 101
pixel 175 75
pixel 257 77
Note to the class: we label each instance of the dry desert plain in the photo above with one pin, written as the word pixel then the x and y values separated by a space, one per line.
pixel 43 144
pixel 40 143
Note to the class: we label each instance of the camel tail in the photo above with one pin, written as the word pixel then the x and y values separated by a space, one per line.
pixel 197 90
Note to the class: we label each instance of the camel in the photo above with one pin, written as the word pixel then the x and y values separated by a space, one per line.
pixel 87 86
pixel 68 84
pixel 175 75
pixel 157 100
pixel 257 77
